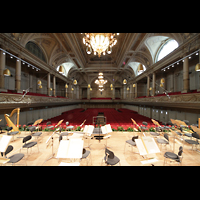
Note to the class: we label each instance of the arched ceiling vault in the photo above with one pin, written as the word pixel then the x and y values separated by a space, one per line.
pixel 68 48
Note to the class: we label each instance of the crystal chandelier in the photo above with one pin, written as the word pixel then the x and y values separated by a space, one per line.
pixel 99 42
pixel 100 81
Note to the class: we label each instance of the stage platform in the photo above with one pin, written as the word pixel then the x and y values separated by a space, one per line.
pixel 116 142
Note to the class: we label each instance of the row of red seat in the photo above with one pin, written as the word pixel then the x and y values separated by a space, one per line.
pixel 115 118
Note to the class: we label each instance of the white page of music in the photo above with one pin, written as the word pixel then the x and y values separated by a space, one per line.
pixel 151 145
pixel 72 148
pixel 108 128
pixel 75 148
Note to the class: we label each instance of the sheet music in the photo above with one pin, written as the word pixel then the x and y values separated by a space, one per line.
pixel 151 145
pixel 90 129
pixel 63 149
pixel 72 148
pixel 140 147
pixel 103 129
pixel 147 145
pixel 4 141
pixel 75 149
pixel 85 129
pixel 108 128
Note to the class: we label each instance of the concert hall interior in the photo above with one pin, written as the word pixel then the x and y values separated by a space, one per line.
pixel 98 99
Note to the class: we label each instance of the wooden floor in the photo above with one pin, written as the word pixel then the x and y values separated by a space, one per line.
pixel 116 143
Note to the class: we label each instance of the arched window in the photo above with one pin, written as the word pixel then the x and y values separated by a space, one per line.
pixel 166 48
pixel 35 49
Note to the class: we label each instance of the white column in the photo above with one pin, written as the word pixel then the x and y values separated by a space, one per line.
pixel 70 93
pixel 88 93
pixel 77 92
pixel 66 90
pixel 133 96
pixel 54 86
pixel 18 76
pixel 30 83
pixel 154 84
pixel 172 82
pixel 136 90
pixel 185 75
pixel 48 84
pixel 80 92
pixel 113 92
pixel 130 91
pixel 2 67
pixel 124 92
pixel 148 84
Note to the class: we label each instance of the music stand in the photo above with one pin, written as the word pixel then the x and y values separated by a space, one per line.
pixel 105 130
pixel 100 120
pixel 4 142
pixel 51 137
pixel 51 142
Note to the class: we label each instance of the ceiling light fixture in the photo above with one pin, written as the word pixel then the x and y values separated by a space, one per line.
pixel 140 68
pixel 75 82
pixel 99 42
pixel 182 59
pixel 61 69
pixel 6 72
pixel 100 81
pixel 124 81
pixel 19 59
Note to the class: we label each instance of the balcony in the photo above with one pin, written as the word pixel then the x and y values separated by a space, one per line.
pixel 10 100
pixel 189 100
pixel 175 100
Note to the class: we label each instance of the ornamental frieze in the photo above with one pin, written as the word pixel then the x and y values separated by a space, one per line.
pixel 182 98
pixel 15 98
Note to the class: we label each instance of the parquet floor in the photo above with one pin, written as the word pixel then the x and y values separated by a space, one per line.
pixel 116 144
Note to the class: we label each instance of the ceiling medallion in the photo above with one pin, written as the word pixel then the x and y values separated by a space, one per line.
pixel 99 42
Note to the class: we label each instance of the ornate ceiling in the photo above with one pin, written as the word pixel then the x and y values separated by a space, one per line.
pixel 62 48
pixel 69 50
